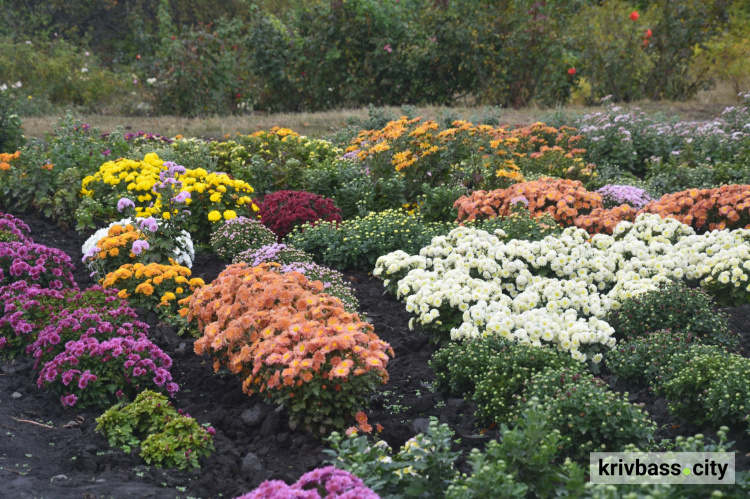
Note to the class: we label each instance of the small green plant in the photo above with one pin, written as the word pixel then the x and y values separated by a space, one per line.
pixel 525 463
pixel 588 415
pixel 677 308
pixel 521 225
pixel 167 437
pixel 423 467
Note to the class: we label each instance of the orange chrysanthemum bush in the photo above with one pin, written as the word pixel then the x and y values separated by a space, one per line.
pixel 725 207
pixel 564 199
pixel 290 341
pixel 604 221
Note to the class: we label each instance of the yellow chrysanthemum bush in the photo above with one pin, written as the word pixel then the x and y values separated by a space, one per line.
pixel 163 289
pixel 213 196
pixel 290 342
pixel 272 160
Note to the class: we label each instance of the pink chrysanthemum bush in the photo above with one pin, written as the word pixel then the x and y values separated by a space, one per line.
pixel 13 229
pixel 327 482
pixel 290 341
pixel 35 263
pixel 27 309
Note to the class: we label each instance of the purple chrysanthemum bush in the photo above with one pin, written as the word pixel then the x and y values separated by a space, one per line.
pixel 240 234
pixel 13 229
pixel 275 252
pixel 35 263
pixel 327 482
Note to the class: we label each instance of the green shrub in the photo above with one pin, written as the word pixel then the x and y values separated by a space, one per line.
pixel 11 136
pixel 167 437
pixel 357 243
pixel 525 463
pixel 423 467
pixel 521 225
pixel 640 360
pixel 588 415
pixel 677 308
pixel 706 384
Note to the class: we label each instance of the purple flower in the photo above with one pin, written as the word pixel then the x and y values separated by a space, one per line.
pixel 124 203
pixel 150 224
pixel 181 197
pixel 139 246
pixel 69 400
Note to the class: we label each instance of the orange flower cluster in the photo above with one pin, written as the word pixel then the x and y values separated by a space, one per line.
pixel 725 207
pixel 286 338
pixel 117 238
pixel 602 220
pixel 6 158
pixel 564 199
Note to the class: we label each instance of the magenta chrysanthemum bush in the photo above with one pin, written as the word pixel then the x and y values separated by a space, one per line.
pixel 15 228
pixel 327 482
pixel 276 252
pixel 36 264
pixel 27 308
pixel 100 373
pixel 83 323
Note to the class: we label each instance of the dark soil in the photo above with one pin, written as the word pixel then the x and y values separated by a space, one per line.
pixel 46 451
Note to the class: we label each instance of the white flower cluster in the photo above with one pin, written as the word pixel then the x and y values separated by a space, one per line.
pixel 184 250
pixel 558 290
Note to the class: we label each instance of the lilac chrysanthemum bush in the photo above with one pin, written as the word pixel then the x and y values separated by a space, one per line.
pixel 616 195
pixel 276 252
pixel 240 234
pixel 333 281
pixel 327 482
pixel 36 264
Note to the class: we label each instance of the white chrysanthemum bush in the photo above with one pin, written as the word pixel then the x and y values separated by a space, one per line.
pixel 558 291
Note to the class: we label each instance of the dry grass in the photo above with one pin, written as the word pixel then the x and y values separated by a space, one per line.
pixel 705 106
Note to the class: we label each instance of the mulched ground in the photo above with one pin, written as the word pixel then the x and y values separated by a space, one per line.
pixel 46 451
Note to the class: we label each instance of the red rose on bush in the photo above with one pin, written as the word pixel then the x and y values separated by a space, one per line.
pixel 282 211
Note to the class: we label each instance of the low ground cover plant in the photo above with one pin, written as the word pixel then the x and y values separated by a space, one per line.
pixel 291 342
pixel 167 438
pixel 234 236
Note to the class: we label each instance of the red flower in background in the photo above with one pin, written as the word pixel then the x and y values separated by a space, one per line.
pixel 648 33
pixel 634 16
pixel 572 71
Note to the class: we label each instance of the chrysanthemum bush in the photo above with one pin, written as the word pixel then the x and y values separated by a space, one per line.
pixel 272 160
pixel 29 308
pixel 234 236
pixel 115 249
pixel 559 290
pixel 11 225
pixel 357 243
pixel 274 252
pixel 320 483
pixel 588 415
pixel 166 436
pixel 706 384
pixel 520 224
pixel 677 308
pixel 213 196
pixel 282 211
pixel 36 264
pixel 291 342
pixel 615 195
pixel 491 371
pixel 333 281
pixel 159 288
pixel 564 199
pixel 604 220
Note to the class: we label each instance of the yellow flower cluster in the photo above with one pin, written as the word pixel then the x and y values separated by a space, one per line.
pixel 162 288
pixel 136 179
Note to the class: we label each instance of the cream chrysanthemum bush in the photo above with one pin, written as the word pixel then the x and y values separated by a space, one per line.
pixel 559 290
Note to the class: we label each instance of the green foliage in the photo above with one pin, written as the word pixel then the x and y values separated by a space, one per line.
pixel 436 203
pixel 677 308
pixel 11 136
pixel 705 384
pixel 423 467
pixel 521 225
pixel 640 360
pixel 357 243
pixel 525 463
pixel 588 415
pixel 167 438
